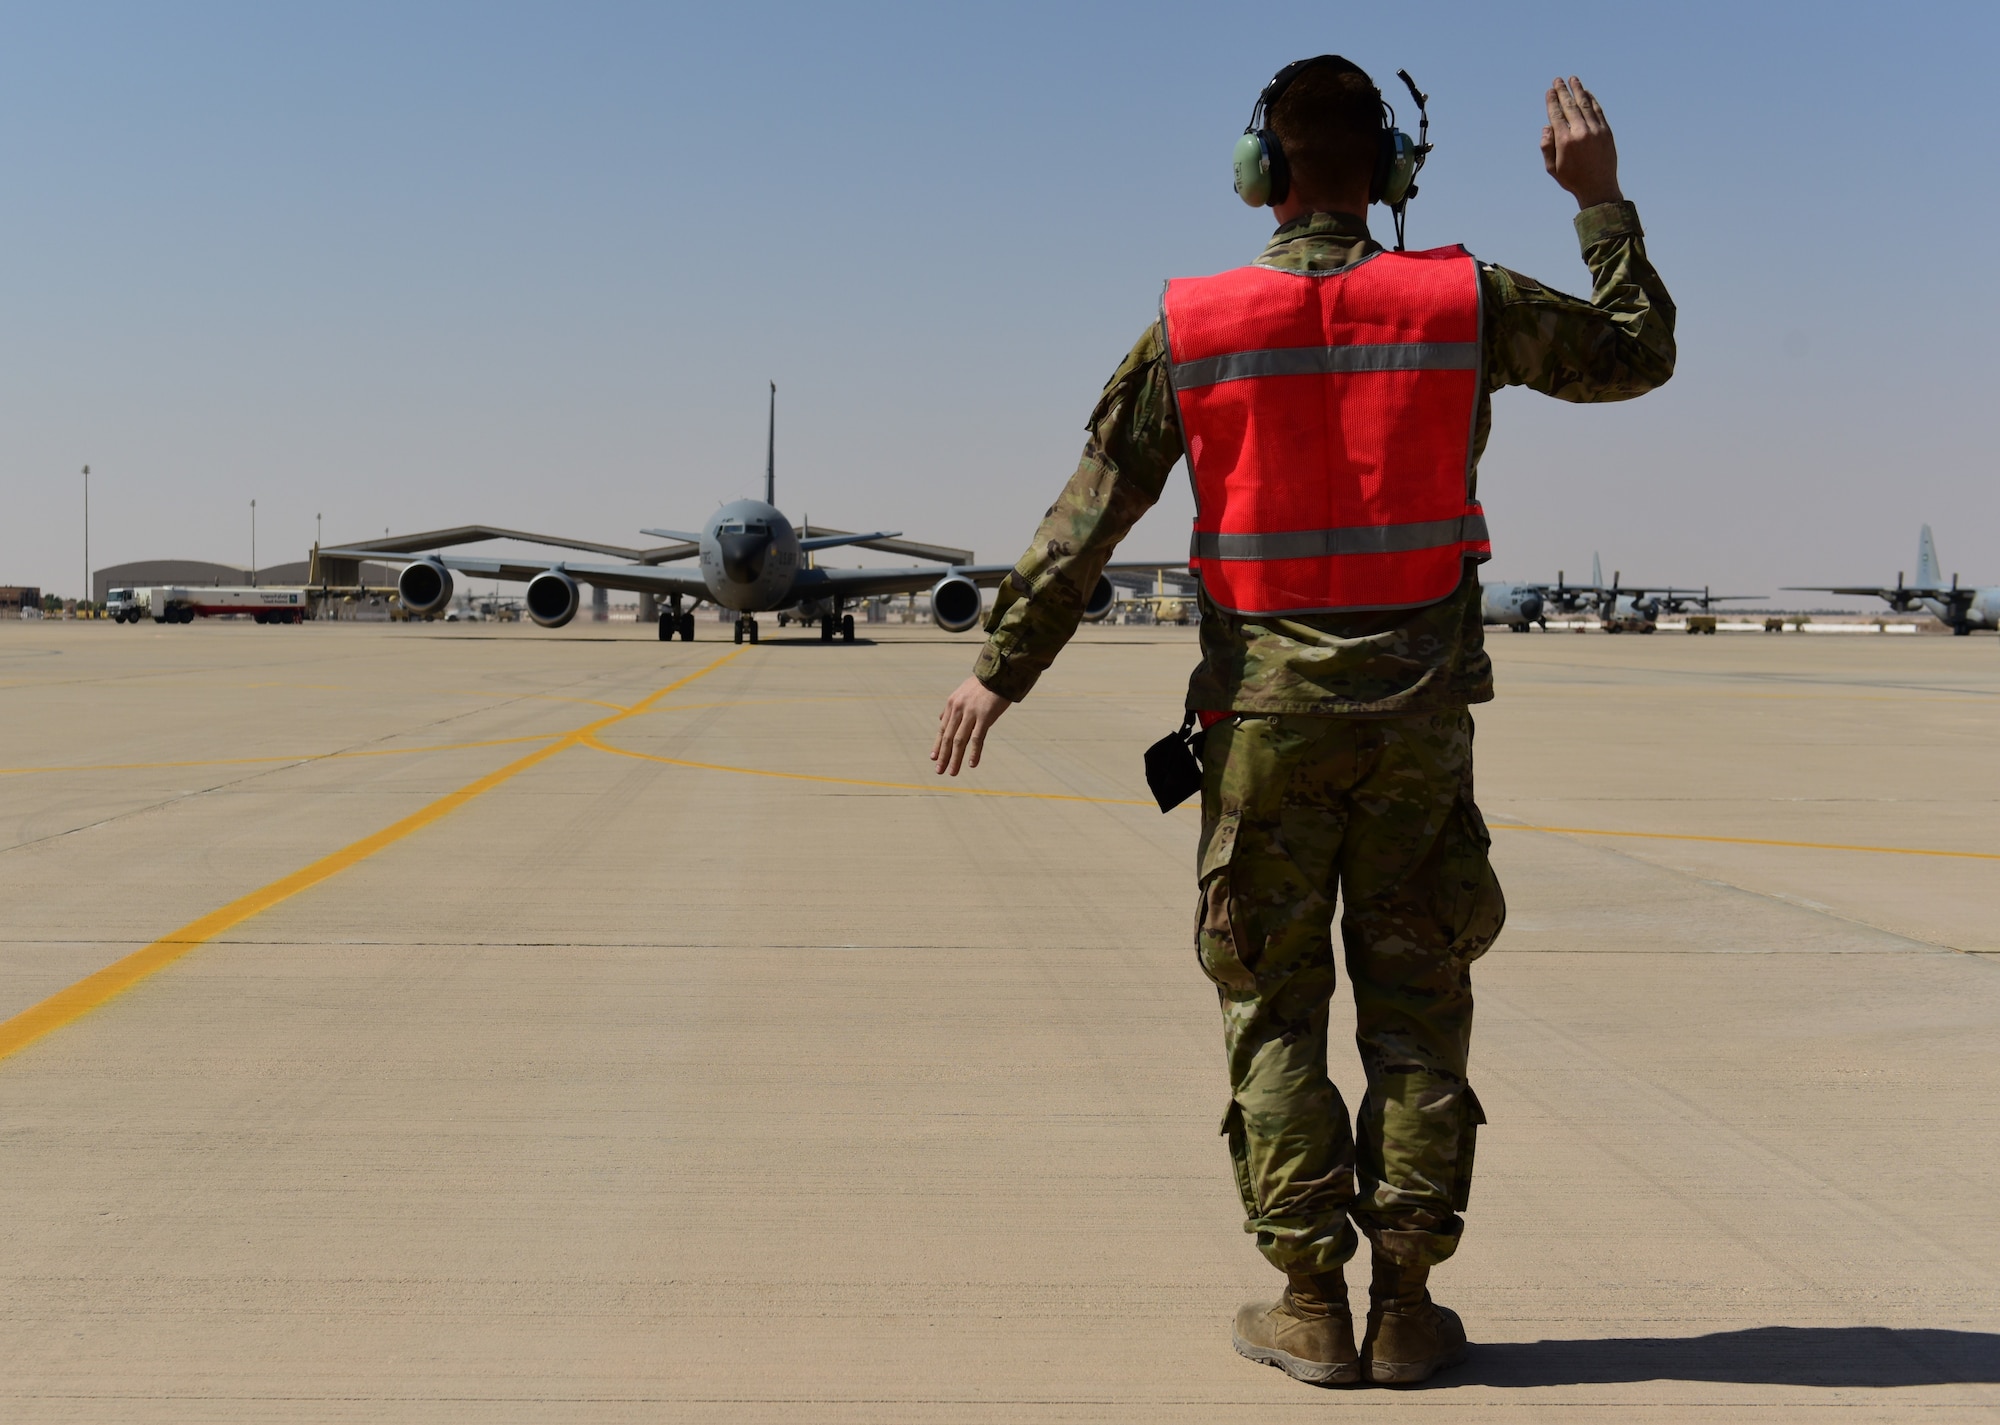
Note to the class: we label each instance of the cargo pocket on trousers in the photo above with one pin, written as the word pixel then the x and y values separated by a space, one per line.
pixel 1474 888
pixel 1470 1117
pixel 1239 1155
pixel 1218 931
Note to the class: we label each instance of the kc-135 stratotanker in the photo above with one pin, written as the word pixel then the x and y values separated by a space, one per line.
pixel 749 558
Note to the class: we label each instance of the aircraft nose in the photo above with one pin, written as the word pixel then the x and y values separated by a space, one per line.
pixel 1531 607
pixel 743 554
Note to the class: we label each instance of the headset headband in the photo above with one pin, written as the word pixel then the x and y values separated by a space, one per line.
pixel 1260 115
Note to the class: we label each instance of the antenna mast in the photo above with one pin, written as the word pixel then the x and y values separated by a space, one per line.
pixel 771 451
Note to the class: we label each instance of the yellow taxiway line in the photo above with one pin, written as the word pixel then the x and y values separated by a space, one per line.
pixel 68 1005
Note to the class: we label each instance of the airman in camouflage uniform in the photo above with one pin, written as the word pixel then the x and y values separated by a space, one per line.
pixel 1343 770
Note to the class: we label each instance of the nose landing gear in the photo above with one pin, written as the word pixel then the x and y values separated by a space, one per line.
pixel 746 627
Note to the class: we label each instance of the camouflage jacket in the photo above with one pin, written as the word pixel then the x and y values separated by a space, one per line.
pixel 1617 345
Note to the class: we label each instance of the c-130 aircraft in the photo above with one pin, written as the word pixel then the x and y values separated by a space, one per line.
pixel 749 558
pixel 1960 610
pixel 1620 607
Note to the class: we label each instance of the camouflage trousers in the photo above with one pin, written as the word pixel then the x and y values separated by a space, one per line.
pixel 1377 813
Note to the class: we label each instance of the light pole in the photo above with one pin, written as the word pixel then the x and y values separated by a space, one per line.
pixel 253 544
pixel 86 532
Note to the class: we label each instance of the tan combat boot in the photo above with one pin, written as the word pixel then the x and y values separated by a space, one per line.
pixel 1409 1337
pixel 1308 1333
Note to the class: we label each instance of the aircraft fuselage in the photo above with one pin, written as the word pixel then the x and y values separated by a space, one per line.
pixel 1629 614
pixel 1982 612
pixel 1515 605
pixel 750 557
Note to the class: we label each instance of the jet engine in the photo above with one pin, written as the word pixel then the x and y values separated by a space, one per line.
pixel 955 603
pixel 1098 605
pixel 553 598
pixel 424 587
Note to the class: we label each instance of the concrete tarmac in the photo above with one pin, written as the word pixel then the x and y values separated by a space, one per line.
pixel 507 1040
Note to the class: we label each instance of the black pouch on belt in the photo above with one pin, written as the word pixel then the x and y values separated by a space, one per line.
pixel 1173 764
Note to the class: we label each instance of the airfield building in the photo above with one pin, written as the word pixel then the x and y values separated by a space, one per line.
pixel 197 573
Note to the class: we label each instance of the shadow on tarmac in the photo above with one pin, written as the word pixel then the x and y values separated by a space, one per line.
pixel 1851 1356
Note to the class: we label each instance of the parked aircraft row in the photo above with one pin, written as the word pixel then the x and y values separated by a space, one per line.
pixel 1626 607
pixel 1619 607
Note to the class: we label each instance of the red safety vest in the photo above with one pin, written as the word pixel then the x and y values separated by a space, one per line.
pixel 1328 420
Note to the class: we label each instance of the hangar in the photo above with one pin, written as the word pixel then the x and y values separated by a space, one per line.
pixel 196 573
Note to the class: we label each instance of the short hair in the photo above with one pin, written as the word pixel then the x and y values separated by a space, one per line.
pixel 1329 120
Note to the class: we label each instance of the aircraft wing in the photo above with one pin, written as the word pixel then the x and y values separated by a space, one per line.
pixel 830 540
pixel 1905 599
pixel 864 583
pixel 634 578
pixel 679 536
pixel 404 547
pixel 886 543
pixel 1872 591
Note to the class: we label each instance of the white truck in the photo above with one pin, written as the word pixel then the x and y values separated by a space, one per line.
pixel 126 605
pixel 185 605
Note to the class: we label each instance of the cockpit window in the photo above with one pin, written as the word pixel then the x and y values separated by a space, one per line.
pixel 729 529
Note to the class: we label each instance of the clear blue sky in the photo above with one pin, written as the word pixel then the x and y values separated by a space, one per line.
pixel 411 265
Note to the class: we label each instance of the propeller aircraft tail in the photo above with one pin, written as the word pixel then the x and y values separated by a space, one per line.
pixel 1929 574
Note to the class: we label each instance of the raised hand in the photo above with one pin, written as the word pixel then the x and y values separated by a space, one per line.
pixel 1577 147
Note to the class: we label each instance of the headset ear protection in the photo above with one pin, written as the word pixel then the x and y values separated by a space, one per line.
pixel 1264 177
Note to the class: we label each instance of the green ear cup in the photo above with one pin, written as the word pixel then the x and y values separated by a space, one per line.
pixel 1402 168
pixel 1253 171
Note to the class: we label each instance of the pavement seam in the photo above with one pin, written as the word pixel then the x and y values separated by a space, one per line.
pixel 1917 942
pixel 268 766
pixel 298 759
pixel 1745 841
pixel 590 740
pixel 73 1002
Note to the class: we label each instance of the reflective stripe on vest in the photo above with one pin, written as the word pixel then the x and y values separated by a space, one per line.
pixel 1356 539
pixel 1328 421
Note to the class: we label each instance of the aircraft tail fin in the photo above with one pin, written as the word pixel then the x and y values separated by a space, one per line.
pixel 771 451
pixel 1929 574
pixel 1596 571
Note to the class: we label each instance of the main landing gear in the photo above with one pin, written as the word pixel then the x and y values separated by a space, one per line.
pixel 673 621
pixel 830 624
pixel 746 627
